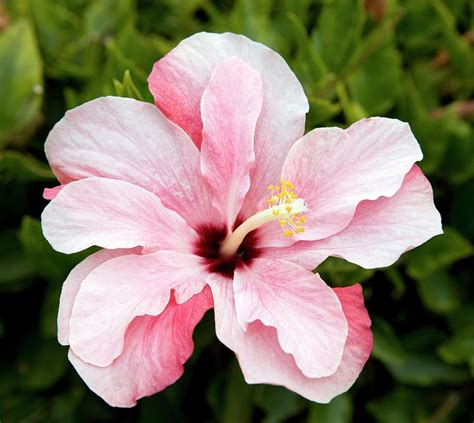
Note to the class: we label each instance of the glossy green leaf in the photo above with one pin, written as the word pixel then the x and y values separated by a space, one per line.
pixel 342 273
pixel 387 346
pixel 440 251
pixel 339 410
pixel 278 403
pixel 16 271
pixel 375 83
pixel 41 364
pixel 21 76
pixel 424 369
pixel 439 292
pixel 339 29
pixel 459 348
pixel 15 166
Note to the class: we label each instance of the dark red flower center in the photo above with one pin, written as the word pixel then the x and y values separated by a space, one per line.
pixel 209 244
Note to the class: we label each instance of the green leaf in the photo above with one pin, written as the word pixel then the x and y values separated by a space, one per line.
pixel 438 252
pixel 396 407
pixel 127 88
pixel 104 17
pixel 309 64
pixel 41 364
pixel 21 73
pixel 16 271
pixel 387 346
pixel 15 166
pixel 438 292
pixel 321 110
pixel 459 348
pixel 230 397
pixel 338 32
pixel 375 83
pixel 278 403
pixel 424 369
pixel 339 410
pixel 342 273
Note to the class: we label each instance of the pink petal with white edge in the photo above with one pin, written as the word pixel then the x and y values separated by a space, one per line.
pixel 155 350
pixel 119 290
pixel 305 312
pixel 334 170
pixel 112 214
pixel 380 231
pixel 230 107
pixel 179 79
pixel 121 138
pixel 263 361
pixel 73 282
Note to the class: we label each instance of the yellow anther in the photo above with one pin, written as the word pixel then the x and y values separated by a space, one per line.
pixel 285 204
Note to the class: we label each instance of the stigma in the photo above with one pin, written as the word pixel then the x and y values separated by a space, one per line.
pixel 284 207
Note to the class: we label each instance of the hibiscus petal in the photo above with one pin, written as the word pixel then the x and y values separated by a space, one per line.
pixel 263 361
pixel 230 107
pixel 380 231
pixel 119 290
pixel 334 170
pixel 305 312
pixel 280 369
pixel 125 139
pixel 112 214
pixel 179 79
pixel 51 193
pixel 155 350
pixel 72 284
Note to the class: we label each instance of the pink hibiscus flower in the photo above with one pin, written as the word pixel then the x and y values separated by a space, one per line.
pixel 178 197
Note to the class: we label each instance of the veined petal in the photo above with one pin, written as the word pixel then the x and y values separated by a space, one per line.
pixel 112 214
pixel 179 79
pixel 262 361
pixel 73 282
pixel 380 231
pixel 335 170
pixel 155 349
pixel 230 107
pixel 124 139
pixel 119 290
pixel 305 312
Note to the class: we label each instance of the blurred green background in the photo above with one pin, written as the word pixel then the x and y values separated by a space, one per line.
pixel 408 59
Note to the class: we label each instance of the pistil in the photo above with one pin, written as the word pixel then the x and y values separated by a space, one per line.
pixel 284 207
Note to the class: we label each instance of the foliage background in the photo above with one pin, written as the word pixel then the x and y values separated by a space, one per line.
pixel 409 59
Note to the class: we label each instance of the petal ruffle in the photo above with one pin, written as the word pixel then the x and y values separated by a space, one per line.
pixel 334 170
pixel 72 284
pixel 230 107
pixel 155 349
pixel 305 312
pixel 263 361
pixel 112 214
pixel 179 79
pixel 124 139
pixel 380 231
pixel 119 290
